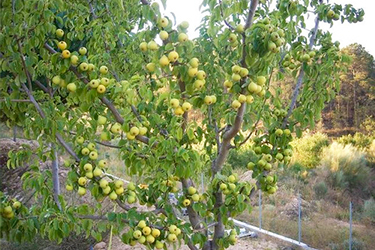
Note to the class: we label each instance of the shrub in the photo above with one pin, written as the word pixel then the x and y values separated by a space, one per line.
pixel 358 140
pixel 320 189
pixel 356 244
pixel 368 126
pixel 308 149
pixel 347 167
pixel 369 210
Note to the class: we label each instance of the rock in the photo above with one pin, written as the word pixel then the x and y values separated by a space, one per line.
pixel 100 246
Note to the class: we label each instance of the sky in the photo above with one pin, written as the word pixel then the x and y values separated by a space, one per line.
pixel 362 33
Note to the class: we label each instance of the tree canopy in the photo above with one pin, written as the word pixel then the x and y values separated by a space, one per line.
pixel 75 74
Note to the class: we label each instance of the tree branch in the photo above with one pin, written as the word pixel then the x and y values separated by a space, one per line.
pixel 40 85
pixel 94 16
pixel 222 15
pixel 41 113
pixel 23 63
pixel 219 161
pixel 249 22
pixel 300 77
pixel 123 206
pixel 194 218
pixel 103 99
pixel 228 136
pixel 214 124
pixel 219 227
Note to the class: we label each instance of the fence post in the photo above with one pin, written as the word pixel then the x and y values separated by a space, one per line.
pixel 260 209
pixel 14 133
pixel 350 226
pixel 299 218
pixel 55 175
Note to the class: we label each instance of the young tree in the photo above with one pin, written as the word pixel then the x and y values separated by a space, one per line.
pixel 119 73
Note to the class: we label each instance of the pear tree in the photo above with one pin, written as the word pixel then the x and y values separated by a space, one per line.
pixel 124 75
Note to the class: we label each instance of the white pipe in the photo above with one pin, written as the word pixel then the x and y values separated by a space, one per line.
pixel 253 228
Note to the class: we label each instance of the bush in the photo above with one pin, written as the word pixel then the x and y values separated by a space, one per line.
pixel 368 126
pixel 359 140
pixel 308 149
pixel 369 210
pixel 320 189
pixel 371 154
pixel 356 245
pixel 347 168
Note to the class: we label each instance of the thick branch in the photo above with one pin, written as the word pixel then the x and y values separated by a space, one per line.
pixel 300 77
pixel 228 136
pixel 219 227
pixel 194 218
pixel 113 109
pixel 123 206
pixel 237 124
pixel 191 245
pixel 250 17
pixel 223 153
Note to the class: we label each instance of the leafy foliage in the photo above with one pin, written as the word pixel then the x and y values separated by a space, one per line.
pixel 75 74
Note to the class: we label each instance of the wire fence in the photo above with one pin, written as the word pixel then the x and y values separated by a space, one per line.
pixel 300 231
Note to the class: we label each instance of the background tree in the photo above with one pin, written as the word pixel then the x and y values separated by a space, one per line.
pixel 79 73
pixel 356 98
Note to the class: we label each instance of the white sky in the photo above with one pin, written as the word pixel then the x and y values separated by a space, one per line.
pixel 362 33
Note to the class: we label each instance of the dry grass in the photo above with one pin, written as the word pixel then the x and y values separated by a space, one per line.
pixel 324 225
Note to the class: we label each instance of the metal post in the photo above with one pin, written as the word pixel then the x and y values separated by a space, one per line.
pixel 14 133
pixel 299 218
pixel 55 175
pixel 260 209
pixel 350 227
